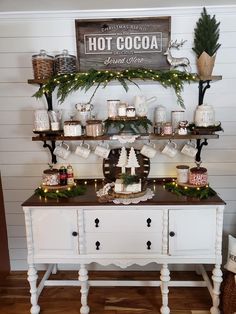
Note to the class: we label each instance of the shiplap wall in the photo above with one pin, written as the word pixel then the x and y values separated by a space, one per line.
pixel 23 161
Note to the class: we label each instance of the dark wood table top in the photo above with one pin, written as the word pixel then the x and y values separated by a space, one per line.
pixel 161 197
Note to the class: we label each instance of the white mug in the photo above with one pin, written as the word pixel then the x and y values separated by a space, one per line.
pixel 148 151
pixel 102 151
pixel 189 149
pixel 83 150
pixel 170 149
pixel 62 151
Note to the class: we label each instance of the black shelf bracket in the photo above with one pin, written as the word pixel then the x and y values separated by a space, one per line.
pixel 203 86
pixel 200 144
pixel 48 99
pixel 51 149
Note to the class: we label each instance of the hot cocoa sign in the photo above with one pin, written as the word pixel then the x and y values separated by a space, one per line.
pixel 119 44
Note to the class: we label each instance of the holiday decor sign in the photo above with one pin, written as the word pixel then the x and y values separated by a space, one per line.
pixel 118 44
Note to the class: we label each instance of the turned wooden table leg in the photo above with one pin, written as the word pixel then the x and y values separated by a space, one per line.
pixel 217 279
pixel 32 279
pixel 83 278
pixel 165 278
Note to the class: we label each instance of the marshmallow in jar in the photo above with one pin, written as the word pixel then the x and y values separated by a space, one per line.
pixel 72 128
pixel 51 177
pixel 198 176
pixel 204 116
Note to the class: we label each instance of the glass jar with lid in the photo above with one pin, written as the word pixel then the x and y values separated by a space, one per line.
pixel 94 128
pixel 72 128
pixel 65 63
pixel 43 65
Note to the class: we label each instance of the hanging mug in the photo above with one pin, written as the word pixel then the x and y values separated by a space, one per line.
pixel 170 149
pixel 102 151
pixel 62 151
pixel 189 149
pixel 148 151
pixel 83 150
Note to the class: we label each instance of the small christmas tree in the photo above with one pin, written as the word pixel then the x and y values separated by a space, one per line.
pixel 122 159
pixel 132 161
pixel 206 35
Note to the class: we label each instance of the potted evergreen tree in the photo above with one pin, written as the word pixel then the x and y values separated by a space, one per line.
pixel 206 36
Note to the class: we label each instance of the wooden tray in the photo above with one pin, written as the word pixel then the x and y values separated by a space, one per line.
pixel 128 195
pixel 56 187
pixel 111 172
pixel 191 185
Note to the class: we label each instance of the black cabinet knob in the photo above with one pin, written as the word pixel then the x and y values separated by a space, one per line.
pixel 97 245
pixel 149 243
pixel 172 234
pixel 74 233
pixel 149 220
pixel 96 222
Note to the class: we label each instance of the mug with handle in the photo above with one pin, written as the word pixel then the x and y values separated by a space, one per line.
pixel 102 151
pixel 170 149
pixel 148 151
pixel 83 150
pixel 62 150
pixel 189 149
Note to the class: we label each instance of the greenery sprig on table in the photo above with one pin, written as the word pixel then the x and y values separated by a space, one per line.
pixel 197 192
pixel 68 83
pixel 66 193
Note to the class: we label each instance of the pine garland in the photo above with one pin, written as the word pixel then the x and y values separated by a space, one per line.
pixel 67 193
pixel 197 192
pixel 206 35
pixel 69 83
pixel 126 124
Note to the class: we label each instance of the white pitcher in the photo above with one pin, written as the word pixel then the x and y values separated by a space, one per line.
pixel 140 103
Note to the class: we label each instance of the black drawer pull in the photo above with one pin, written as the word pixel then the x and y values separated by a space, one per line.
pixel 172 234
pixel 96 222
pixel 97 245
pixel 149 220
pixel 74 233
pixel 149 243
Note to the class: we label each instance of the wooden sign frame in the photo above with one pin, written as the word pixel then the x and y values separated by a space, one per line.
pixel 119 44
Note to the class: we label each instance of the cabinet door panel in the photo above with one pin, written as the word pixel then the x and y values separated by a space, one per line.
pixel 123 243
pixel 123 220
pixel 194 231
pixel 52 232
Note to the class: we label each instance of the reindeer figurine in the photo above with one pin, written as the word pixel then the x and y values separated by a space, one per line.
pixel 176 62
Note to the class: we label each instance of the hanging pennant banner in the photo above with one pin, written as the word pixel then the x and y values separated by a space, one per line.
pixel 118 44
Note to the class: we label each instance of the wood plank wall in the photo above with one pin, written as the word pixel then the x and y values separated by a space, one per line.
pixel 22 161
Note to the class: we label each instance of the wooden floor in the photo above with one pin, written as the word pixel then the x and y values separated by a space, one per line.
pixel 14 296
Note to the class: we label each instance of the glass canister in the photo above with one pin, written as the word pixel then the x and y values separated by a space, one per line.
pixel 94 128
pixel 198 176
pixel 160 114
pixel 43 65
pixel 72 128
pixel 204 116
pixel 51 177
pixel 65 63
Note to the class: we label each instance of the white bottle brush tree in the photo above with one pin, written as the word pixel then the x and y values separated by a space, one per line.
pixel 122 162
pixel 132 161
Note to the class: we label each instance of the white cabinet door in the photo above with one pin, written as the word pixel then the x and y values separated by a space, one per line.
pixel 55 232
pixel 192 231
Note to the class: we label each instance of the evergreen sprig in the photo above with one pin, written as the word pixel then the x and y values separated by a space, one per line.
pixel 129 179
pixel 206 35
pixel 197 192
pixel 68 83
pixel 133 125
pixel 66 193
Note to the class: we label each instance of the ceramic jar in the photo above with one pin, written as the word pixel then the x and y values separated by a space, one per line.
pixel 182 173
pixel 94 128
pixel 160 114
pixel 176 117
pixel 198 176
pixel 204 116
pixel 51 177
pixel 122 110
pixel 72 128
